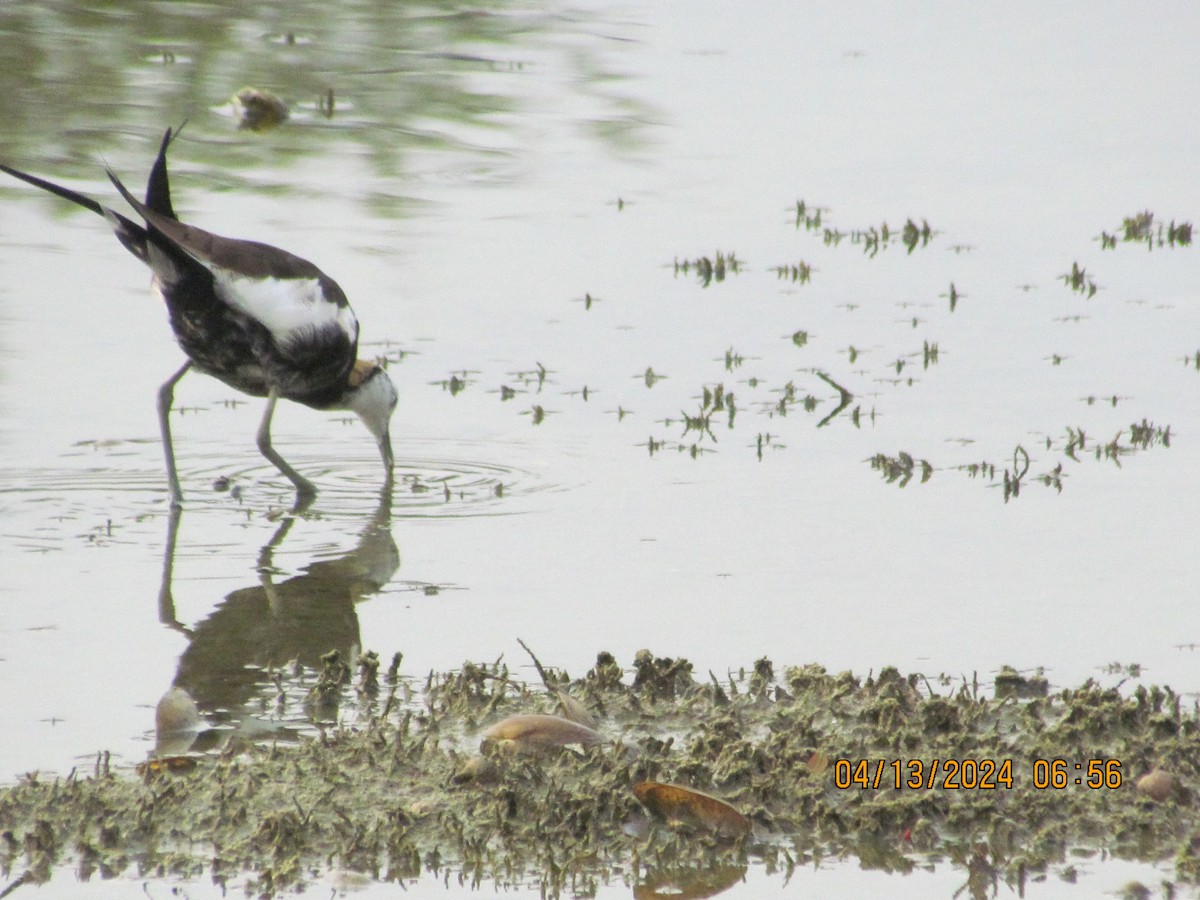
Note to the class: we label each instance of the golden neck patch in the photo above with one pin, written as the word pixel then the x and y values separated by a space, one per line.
pixel 360 371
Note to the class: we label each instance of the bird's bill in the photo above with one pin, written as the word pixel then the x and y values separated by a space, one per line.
pixel 385 450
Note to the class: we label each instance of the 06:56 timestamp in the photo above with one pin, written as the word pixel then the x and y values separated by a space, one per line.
pixel 1093 773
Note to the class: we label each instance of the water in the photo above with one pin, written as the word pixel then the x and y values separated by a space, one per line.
pixel 481 176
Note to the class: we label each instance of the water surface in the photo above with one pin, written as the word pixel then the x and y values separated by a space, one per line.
pixel 508 198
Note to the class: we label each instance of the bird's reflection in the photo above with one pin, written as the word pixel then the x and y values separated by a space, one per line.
pixel 226 672
pixel 688 884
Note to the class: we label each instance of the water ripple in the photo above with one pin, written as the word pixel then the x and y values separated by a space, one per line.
pixel 83 492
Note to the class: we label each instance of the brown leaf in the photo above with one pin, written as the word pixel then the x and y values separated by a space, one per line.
pixel 683 806
pixel 533 733
pixel 166 764
pixel 1157 784
pixel 818 763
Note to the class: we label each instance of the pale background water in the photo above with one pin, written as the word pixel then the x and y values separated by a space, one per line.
pixel 481 174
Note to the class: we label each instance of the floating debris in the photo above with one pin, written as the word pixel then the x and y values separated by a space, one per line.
pixel 258 110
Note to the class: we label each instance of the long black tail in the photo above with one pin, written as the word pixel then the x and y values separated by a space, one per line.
pixel 128 232
pixel 64 192
pixel 158 187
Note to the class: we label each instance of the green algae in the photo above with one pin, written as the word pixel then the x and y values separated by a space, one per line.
pixel 389 799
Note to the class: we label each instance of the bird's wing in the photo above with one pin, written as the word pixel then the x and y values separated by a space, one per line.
pixel 289 295
pixel 249 259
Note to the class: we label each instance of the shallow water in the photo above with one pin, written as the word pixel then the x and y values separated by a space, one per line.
pixel 480 178
pixel 838 879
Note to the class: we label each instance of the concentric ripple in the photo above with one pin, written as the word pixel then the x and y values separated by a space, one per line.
pixel 81 493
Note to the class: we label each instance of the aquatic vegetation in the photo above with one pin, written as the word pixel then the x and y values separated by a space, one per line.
pixel 900 469
pixel 1075 446
pixel 872 238
pixel 457 382
pixel 708 270
pixel 1140 228
pixel 1016 475
pixel 1092 400
pixel 953 295
pixel 911 236
pixel 652 446
pixel 800 273
pixel 536 377
pixel 700 423
pixel 808 217
pixel 765 440
pixel 650 377
pixel 790 395
pixel 1079 281
pixel 713 400
pixel 780 766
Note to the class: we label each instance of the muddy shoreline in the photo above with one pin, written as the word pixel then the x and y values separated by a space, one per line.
pixel 400 796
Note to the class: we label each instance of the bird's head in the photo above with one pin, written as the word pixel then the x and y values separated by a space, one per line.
pixel 372 397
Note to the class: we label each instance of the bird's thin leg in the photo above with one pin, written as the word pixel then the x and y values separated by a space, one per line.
pixel 166 396
pixel 304 487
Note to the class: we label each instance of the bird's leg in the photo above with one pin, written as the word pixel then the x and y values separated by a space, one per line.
pixel 304 487
pixel 166 396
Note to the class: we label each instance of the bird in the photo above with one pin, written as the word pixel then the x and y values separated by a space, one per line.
pixel 260 319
